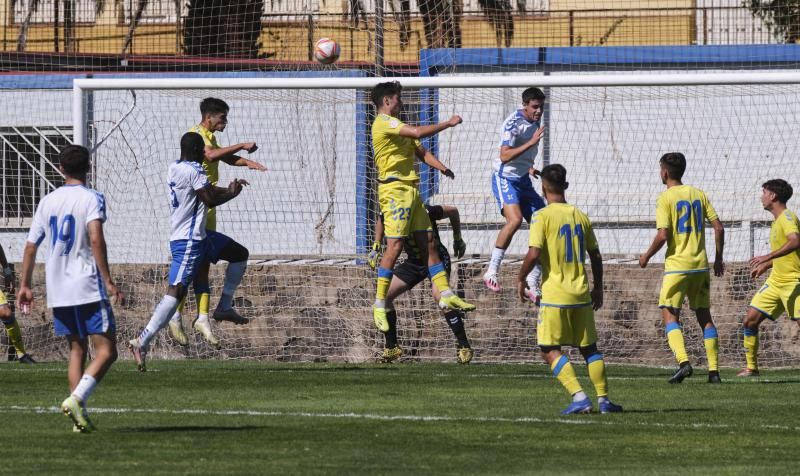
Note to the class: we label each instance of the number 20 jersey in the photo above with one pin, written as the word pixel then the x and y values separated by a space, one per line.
pixel 683 211
pixel 60 224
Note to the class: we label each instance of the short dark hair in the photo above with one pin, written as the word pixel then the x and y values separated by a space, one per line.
pixel 213 106
pixel 556 176
pixel 74 159
pixel 532 93
pixel 192 147
pixel 382 90
pixel 675 163
pixel 781 188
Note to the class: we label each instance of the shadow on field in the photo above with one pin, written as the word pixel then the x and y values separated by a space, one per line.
pixel 668 410
pixel 190 428
pixel 377 367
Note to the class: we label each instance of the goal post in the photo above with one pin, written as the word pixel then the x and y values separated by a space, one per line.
pixel 308 218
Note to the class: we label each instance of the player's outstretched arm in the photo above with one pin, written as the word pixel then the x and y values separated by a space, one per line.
pixel 597 276
pixel 658 242
pixel 216 196
pixel 237 161
pixel 719 242
pixel 426 156
pixel 421 132
pixel 527 265
pixel 25 295
pixel 211 154
pixel 98 243
pixel 792 244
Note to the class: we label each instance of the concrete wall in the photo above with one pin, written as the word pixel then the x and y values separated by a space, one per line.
pixel 321 312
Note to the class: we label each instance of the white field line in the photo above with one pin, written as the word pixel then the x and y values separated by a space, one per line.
pixel 372 416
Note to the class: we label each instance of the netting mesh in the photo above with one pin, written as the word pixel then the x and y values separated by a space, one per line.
pixel 308 218
pixel 309 296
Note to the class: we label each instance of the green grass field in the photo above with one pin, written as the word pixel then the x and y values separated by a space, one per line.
pixel 255 418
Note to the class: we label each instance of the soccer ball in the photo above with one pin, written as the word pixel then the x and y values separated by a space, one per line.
pixel 326 51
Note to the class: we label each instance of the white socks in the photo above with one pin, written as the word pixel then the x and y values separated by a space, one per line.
pixel 162 314
pixel 84 388
pixel 579 396
pixel 233 276
pixel 494 263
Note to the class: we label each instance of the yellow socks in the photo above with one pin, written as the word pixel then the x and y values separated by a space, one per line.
pixel 563 371
pixel 597 373
pixel 711 343
pixel 438 277
pixel 675 340
pixel 15 335
pixel 203 299
pixel 751 348
pixel 384 279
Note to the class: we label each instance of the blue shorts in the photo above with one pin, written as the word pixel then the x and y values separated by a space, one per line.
pixel 84 320
pixel 516 191
pixel 189 255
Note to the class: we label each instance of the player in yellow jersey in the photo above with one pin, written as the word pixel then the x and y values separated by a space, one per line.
pixel 7 312
pixel 781 292
pixel 214 118
pixel 395 145
pixel 413 271
pixel 561 235
pixel 681 214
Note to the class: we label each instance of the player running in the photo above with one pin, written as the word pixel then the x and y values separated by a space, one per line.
pixel 69 221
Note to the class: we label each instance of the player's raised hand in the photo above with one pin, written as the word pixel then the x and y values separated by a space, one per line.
pixel 459 247
pixel 250 147
pixel 454 120
pixel 235 187
pixel 448 173
pixel 643 261
pixel 533 172
pixel 24 299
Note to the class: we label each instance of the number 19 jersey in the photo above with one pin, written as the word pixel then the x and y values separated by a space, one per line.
pixel 683 210
pixel 60 224
pixel 563 233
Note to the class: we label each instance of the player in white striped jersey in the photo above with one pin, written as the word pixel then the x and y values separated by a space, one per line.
pixel 69 222
pixel 191 244
pixel 511 183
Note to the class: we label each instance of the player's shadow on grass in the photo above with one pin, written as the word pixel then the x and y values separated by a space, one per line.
pixel 667 410
pixel 377 366
pixel 188 428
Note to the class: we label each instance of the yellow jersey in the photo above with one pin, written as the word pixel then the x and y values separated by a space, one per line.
pixel 683 211
pixel 786 269
pixel 563 233
pixel 211 168
pixel 394 154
